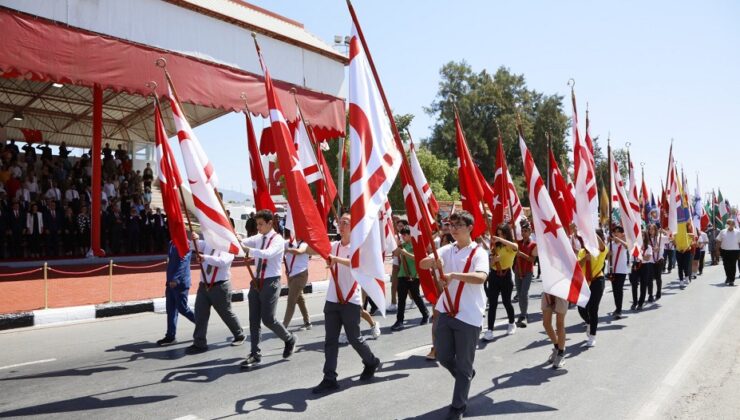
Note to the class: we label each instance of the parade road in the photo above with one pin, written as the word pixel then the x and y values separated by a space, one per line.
pixel 674 359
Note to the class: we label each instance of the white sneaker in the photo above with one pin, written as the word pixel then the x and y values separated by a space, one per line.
pixel 488 335
pixel 554 353
pixel 559 361
pixel 511 330
pixel 392 308
pixel 591 341
pixel 343 338
pixel 376 329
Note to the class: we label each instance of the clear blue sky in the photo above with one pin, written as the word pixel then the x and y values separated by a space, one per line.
pixel 651 71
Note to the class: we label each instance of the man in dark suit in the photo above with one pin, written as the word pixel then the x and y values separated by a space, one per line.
pixel 14 233
pixel 159 226
pixel 52 228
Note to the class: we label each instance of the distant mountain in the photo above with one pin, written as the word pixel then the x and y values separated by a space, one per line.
pixel 235 196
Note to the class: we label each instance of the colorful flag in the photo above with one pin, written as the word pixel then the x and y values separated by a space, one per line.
pixel 586 195
pixel 374 162
pixel 561 274
pixel 262 198
pixel 309 227
pixel 169 182
pixel 214 224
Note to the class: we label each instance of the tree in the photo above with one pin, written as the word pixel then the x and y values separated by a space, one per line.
pixel 487 103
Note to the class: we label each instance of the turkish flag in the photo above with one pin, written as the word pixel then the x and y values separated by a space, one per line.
pixel 471 192
pixel 260 192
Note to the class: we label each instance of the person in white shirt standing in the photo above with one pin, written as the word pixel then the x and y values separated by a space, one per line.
pixel 619 264
pixel 461 306
pixel 342 310
pixel 701 252
pixel 268 247
pixel 296 268
pixel 729 240
pixel 214 291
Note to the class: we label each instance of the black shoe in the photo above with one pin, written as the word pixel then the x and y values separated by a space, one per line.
pixel 166 341
pixel 617 315
pixel 632 308
pixel 732 283
pixel 657 297
pixel 289 347
pixel 455 413
pixel 651 300
pixel 193 349
pixel 424 320
pixel 515 299
pixel 252 360
pixel 238 340
pixel 326 385
pixel 369 371
pixel 398 326
pixel 639 307
pixel 521 322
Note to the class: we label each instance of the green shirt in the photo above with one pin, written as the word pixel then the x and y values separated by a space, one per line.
pixel 409 262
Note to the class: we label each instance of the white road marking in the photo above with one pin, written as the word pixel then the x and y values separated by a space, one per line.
pixel 413 351
pixel 36 362
pixel 188 417
pixel 671 380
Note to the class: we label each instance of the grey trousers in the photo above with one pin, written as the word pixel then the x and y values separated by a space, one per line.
pixel 522 290
pixel 219 296
pixel 262 305
pixel 337 316
pixel 455 342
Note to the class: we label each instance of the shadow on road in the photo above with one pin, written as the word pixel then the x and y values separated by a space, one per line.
pixel 85 403
pixel 68 372
pixel 483 406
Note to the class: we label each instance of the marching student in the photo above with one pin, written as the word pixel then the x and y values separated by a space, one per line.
pixel 656 241
pixel 701 251
pixel 729 244
pixel 500 281
pixel 408 281
pixel 367 317
pixel 214 291
pixel 176 292
pixel 647 271
pixel 296 268
pixel 559 306
pixel 342 310
pixel 461 306
pixel 593 268
pixel 268 247
pixel 619 269
pixel 524 271
pixel 683 261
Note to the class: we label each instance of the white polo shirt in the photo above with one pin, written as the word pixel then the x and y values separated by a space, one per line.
pixel 729 241
pixel 271 252
pixel 473 298
pixel 346 282
pixel 296 264
pixel 216 265
pixel 619 258
pixel 703 238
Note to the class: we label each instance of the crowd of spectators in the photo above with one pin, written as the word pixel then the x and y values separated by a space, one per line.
pixel 45 202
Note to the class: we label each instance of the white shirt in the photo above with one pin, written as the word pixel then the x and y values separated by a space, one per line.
pixel 473 298
pixel 53 194
pixel 272 254
pixel 656 245
pixel 109 189
pixel 346 282
pixel 296 264
pixel 23 195
pixel 216 264
pixel 71 195
pixel 704 239
pixel 729 241
pixel 32 186
pixel 620 255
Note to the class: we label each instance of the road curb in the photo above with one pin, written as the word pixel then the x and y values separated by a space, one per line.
pixel 108 310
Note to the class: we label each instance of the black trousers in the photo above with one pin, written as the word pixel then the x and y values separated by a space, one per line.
pixel 618 290
pixel 408 286
pixel 646 281
pixel 590 314
pixel 702 255
pixel 729 260
pixel 683 260
pixel 635 283
pixel 499 285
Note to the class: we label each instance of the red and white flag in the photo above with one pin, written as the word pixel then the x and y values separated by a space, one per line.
pixel 634 199
pixel 561 195
pixel 561 274
pixel 389 239
pixel 374 161
pixel 673 197
pixel 306 156
pixel 506 204
pixel 431 204
pixel 420 228
pixel 471 191
pixel 169 181
pixel 586 194
pixel 631 220
pixel 326 190
pixel 202 179
pixel 260 192
pixel 309 227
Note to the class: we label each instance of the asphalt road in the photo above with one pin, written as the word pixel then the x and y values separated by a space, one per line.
pixel 673 360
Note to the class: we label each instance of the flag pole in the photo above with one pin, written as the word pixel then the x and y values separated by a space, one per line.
pixel 247 113
pixel 504 181
pixel 549 150
pixel 396 134
pixel 611 194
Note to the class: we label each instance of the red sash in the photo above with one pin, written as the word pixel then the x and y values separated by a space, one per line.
pixel 616 259
pixel 447 302
pixel 263 266
pixel 335 275
pixel 292 261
